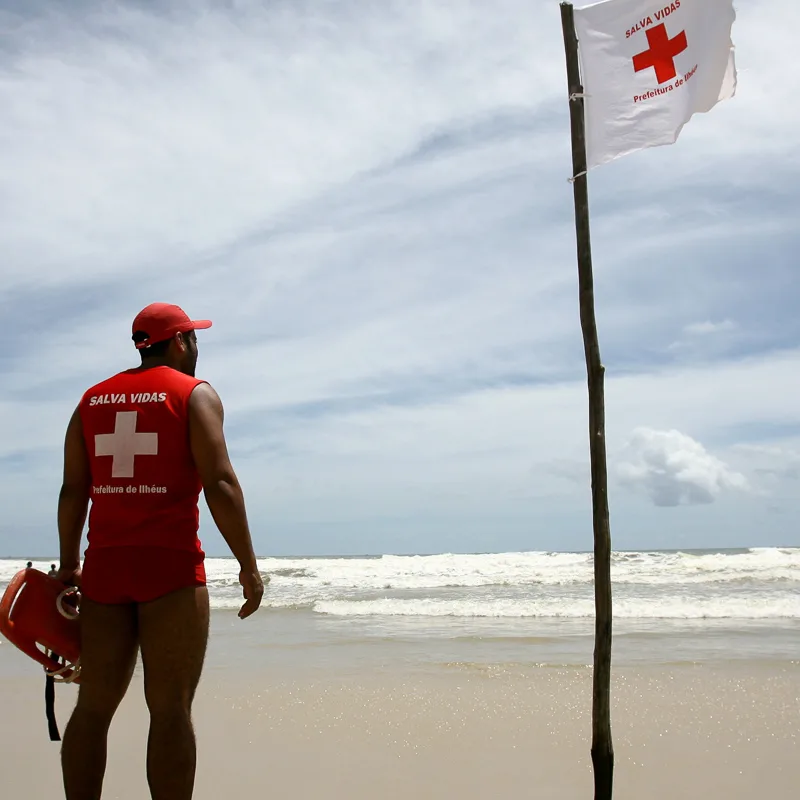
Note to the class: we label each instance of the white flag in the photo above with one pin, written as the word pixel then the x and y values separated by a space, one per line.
pixel 647 66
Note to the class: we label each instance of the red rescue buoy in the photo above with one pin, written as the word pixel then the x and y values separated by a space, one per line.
pixel 39 615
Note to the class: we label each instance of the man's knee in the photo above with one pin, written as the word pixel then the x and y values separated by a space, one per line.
pixel 169 701
pixel 96 709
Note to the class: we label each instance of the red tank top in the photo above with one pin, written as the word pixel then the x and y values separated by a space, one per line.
pixel 145 486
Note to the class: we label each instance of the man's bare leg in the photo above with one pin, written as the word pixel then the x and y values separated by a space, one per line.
pixel 173 632
pixel 108 656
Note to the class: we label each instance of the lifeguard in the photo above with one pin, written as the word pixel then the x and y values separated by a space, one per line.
pixel 141 446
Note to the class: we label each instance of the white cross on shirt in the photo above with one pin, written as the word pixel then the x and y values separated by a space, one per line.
pixel 125 444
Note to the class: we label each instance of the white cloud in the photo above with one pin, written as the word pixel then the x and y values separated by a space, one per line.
pixel 148 135
pixel 673 469
pixel 708 327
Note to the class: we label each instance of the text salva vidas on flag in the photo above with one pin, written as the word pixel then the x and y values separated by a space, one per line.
pixel 648 66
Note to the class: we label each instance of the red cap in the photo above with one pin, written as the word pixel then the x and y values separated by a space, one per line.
pixel 162 321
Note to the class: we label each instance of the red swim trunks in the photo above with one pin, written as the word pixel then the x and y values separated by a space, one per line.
pixel 116 575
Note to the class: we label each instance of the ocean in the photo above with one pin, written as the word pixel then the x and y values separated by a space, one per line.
pixel 533 607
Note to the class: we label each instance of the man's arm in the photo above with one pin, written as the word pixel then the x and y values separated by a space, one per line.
pixel 73 499
pixel 222 490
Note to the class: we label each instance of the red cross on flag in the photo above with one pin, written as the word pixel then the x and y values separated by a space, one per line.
pixel 647 66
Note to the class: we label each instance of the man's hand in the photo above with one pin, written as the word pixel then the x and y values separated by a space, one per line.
pixel 252 591
pixel 69 575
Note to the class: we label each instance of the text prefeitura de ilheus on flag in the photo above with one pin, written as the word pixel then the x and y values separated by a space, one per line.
pixel 647 66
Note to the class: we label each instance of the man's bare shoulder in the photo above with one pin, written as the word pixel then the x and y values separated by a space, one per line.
pixel 204 397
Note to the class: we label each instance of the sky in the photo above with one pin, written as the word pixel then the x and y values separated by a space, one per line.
pixel 370 200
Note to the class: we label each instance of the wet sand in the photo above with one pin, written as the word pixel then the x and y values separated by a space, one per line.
pixel 453 730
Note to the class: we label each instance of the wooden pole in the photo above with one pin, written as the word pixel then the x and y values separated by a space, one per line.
pixel 602 747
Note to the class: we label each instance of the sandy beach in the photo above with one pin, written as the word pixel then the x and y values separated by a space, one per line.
pixel 453 730
pixel 467 677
